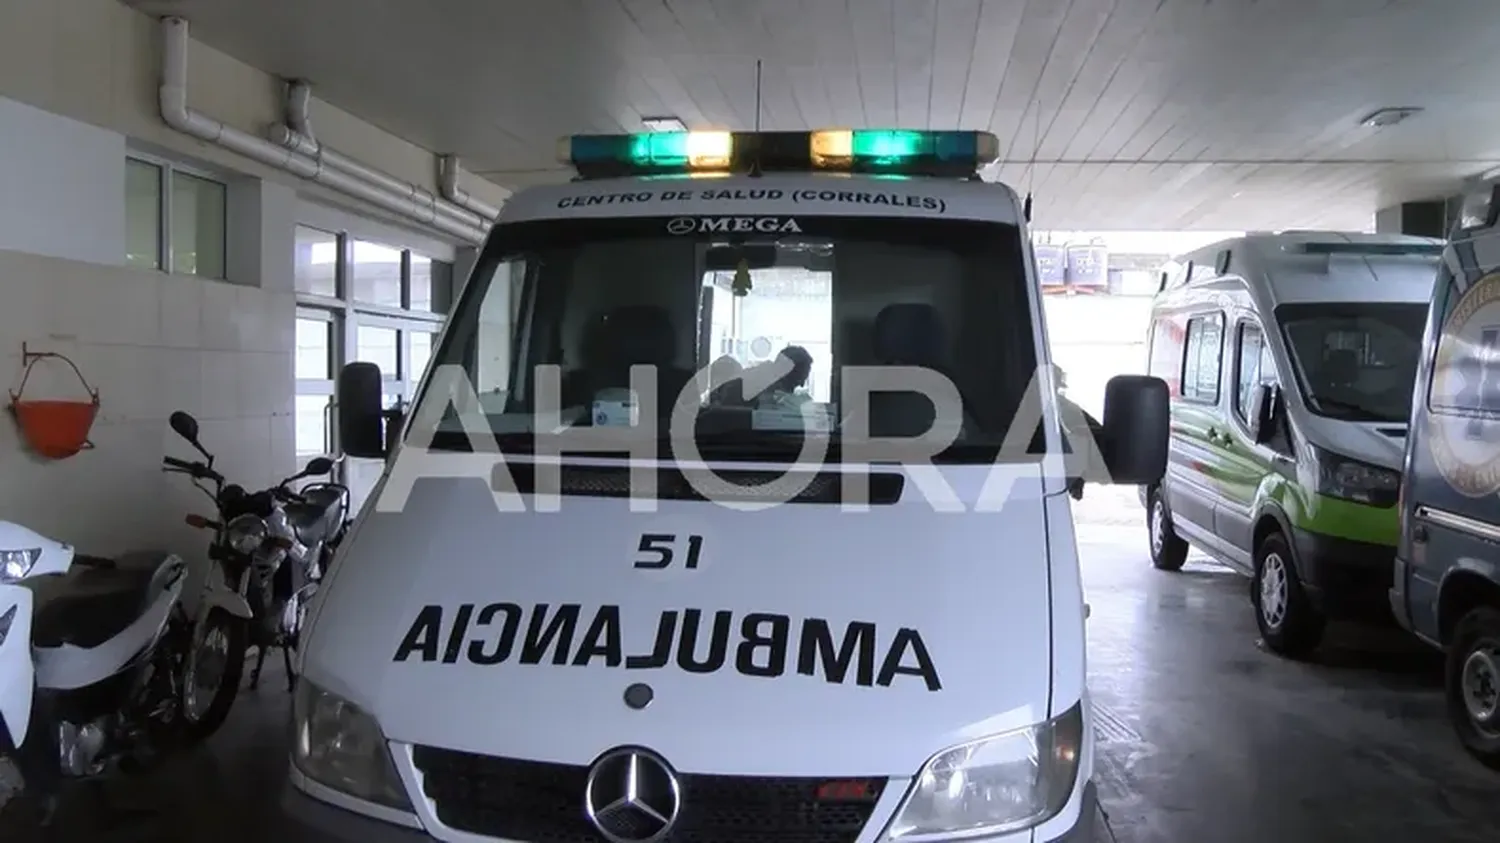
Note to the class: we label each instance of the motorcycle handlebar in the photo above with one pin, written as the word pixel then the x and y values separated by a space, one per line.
pixel 196 469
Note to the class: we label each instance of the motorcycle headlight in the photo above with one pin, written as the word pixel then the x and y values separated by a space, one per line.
pixel 995 785
pixel 15 564
pixel 336 744
pixel 245 533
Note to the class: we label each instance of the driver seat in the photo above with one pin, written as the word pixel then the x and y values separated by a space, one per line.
pixel 93 603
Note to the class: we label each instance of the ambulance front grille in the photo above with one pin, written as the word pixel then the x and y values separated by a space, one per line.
pixel 537 802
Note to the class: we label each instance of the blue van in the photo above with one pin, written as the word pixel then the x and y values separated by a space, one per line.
pixel 1446 585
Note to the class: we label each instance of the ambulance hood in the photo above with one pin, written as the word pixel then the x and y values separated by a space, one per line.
pixel 821 642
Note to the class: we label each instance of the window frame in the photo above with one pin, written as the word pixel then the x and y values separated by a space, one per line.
pixel 1190 348
pixel 166 169
pixel 348 315
pixel 1243 326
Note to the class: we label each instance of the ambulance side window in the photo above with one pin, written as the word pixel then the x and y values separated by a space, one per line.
pixel 1203 358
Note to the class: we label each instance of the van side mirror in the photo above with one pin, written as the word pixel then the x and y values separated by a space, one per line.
pixel 1265 407
pixel 362 421
pixel 1137 419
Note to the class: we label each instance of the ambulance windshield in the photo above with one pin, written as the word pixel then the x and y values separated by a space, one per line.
pixel 757 330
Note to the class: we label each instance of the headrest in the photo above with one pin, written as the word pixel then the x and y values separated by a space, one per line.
pixel 908 334
pixel 639 334
pixel 1341 366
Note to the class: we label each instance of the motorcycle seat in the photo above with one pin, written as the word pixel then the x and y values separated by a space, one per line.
pixel 91 605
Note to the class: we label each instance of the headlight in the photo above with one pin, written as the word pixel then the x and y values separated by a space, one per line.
pixel 245 533
pixel 996 785
pixel 15 564
pixel 336 744
pixel 1352 480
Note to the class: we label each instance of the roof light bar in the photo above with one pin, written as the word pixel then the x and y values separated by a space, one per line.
pixel 887 151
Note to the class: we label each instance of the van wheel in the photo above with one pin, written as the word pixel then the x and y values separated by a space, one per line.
pixel 1288 621
pixel 1168 550
pixel 1473 684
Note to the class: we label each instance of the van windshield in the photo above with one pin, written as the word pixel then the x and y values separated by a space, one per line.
pixel 751 323
pixel 1355 361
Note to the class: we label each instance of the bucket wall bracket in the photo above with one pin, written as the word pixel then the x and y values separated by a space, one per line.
pixel 55 429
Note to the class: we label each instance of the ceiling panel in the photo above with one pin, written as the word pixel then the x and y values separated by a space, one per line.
pixel 1124 114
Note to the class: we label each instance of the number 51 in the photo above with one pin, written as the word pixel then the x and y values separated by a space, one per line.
pixel 660 550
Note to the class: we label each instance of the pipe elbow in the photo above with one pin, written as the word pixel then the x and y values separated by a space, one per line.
pixel 299 108
pixel 448 177
pixel 172 101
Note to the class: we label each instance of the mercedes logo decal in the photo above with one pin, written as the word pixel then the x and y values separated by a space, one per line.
pixel 632 796
pixel 682 225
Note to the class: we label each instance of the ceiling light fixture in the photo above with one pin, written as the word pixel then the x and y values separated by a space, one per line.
pixel 664 124
pixel 1380 118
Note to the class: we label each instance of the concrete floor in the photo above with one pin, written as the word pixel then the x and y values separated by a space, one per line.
pixel 1203 735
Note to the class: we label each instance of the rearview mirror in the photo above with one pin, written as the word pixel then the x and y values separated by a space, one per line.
pixel 1137 418
pixel 727 258
pixel 317 467
pixel 184 425
pixel 1264 410
pixel 361 419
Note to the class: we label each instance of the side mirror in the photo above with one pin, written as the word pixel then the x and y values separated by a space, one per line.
pixel 184 425
pixel 1264 409
pixel 1136 426
pixel 361 419
pixel 317 467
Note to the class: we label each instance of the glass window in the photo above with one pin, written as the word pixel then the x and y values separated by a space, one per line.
pixel 785 311
pixel 421 352
pixel 314 349
pixel 317 262
pixel 1204 358
pixel 376 274
pixel 198 226
pixel 312 424
pixel 1255 368
pixel 142 214
pixel 379 346
pixel 431 284
pixel 1355 360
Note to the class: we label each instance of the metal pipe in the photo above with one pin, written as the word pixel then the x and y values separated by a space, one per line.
pixel 449 173
pixel 289 137
pixel 299 111
pixel 175 112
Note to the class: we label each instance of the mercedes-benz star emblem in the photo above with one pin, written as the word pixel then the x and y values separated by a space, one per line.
pixel 681 225
pixel 632 796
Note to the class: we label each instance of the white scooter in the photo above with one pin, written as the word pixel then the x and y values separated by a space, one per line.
pixel 93 653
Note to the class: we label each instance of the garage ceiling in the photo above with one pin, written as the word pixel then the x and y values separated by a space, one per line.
pixel 1118 114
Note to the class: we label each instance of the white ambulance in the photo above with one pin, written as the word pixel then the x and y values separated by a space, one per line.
pixel 733 507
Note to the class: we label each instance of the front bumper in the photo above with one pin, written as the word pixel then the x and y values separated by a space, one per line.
pixel 303 819
pixel 1345 579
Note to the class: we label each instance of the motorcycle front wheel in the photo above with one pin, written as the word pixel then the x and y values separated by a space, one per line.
pixel 213 666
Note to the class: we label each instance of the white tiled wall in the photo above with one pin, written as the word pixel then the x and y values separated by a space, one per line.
pixel 150 343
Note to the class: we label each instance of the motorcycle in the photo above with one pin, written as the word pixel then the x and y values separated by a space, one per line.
pixel 93 657
pixel 272 547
